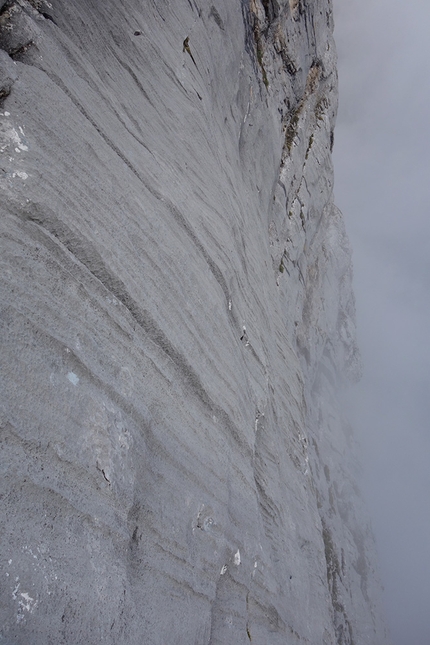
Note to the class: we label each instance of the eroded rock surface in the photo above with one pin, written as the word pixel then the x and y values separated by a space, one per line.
pixel 177 318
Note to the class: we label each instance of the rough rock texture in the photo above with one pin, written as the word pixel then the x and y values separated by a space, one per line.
pixel 177 317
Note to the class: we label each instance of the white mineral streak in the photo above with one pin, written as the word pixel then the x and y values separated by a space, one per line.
pixel 169 235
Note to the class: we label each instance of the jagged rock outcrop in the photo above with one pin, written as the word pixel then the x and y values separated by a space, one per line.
pixel 177 320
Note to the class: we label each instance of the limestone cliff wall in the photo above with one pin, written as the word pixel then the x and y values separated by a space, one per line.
pixel 177 321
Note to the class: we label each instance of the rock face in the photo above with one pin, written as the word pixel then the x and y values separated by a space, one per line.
pixel 177 322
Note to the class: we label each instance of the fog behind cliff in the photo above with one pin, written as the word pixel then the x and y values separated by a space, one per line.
pixel 382 185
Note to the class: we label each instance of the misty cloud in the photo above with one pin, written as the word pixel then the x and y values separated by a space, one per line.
pixel 382 185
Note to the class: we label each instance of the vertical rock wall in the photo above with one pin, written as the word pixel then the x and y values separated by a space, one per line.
pixel 177 319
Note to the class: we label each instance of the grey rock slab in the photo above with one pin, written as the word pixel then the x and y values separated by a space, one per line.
pixel 177 322
pixel 8 74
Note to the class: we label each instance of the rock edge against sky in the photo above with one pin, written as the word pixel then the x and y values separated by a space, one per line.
pixel 177 322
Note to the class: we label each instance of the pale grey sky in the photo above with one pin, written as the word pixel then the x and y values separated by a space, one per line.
pixel 382 185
